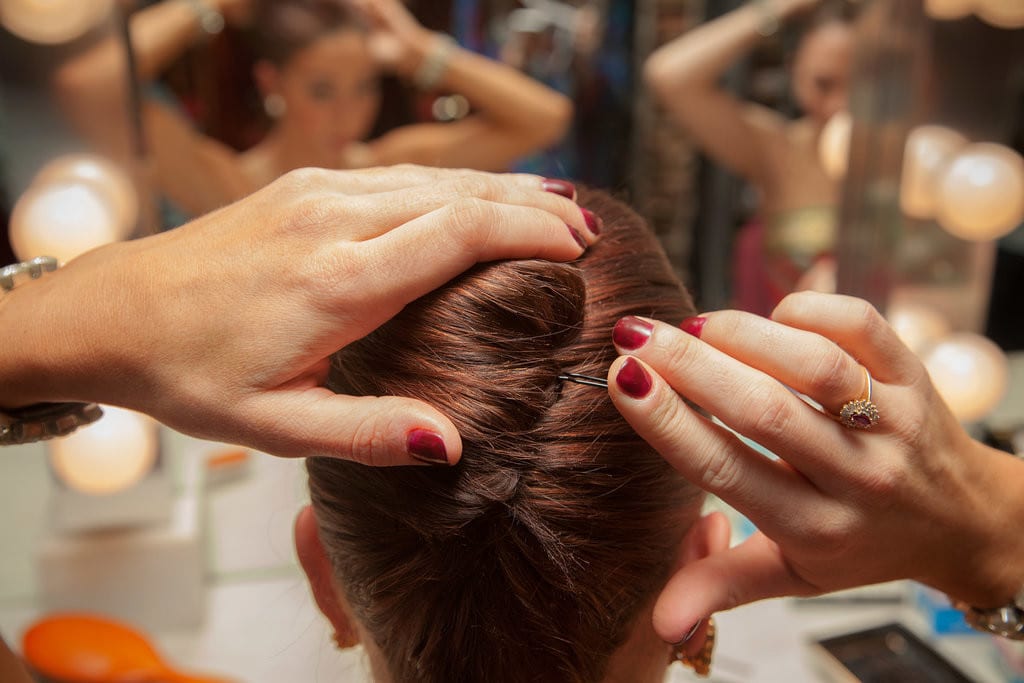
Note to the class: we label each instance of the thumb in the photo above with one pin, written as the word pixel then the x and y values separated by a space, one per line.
pixel 372 430
pixel 752 571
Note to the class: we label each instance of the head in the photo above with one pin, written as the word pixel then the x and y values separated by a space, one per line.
pixel 539 555
pixel 822 61
pixel 315 63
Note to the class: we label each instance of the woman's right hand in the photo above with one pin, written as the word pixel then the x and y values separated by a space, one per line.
pixel 911 497
pixel 224 328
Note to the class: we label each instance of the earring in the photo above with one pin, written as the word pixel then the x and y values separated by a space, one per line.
pixel 346 640
pixel 274 105
pixel 700 662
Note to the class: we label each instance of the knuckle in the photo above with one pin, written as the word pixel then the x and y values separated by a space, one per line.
pixel 470 221
pixel 829 536
pixel 883 480
pixel 367 442
pixel 867 321
pixel 721 474
pixel 302 180
pixel 831 373
pixel 767 415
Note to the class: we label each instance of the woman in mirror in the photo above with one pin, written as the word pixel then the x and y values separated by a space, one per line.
pixel 318 68
pixel 795 225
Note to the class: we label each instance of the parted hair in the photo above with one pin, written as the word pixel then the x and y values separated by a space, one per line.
pixel 531 559
pixel 281 28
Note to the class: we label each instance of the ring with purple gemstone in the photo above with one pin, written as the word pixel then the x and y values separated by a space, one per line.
pixel 860 413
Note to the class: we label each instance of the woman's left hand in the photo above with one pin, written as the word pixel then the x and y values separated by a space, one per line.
pixel 910 497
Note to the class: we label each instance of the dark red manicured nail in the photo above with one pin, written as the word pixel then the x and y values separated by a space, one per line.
pixel 631 333
pixel 577 236
pixel 562 187
pixel 427 446
pixel 694 325
pixel 633 379
pixel 594 222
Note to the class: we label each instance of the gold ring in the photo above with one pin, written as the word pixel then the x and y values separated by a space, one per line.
pixel 860 413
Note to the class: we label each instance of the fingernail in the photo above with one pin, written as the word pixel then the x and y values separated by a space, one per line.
pixel 633 379
pixel 689 634
pixel 577 236
pixel 631 333
pixel 693 325
pixel 562 187
pixel 426 446
pixel 594 222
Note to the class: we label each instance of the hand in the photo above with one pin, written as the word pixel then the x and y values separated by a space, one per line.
pixel 397 40
pixel 224 328
pixel 236 12
pixel 912 497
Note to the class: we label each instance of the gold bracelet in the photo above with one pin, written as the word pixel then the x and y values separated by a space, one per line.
pixel 41 420
pixel 432 68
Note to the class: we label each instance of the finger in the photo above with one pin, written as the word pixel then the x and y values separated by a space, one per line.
pixel 752 571
pixel 858 328
pixel 376 431
pixel 804 361
pixel 382 212
pixel 709 456
pixel 748 401
pixel 446 242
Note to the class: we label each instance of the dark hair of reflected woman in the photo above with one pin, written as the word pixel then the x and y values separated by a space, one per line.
pixel 532 558
pixel 281 28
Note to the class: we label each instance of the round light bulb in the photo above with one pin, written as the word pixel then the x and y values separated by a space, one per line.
pixel 1002 13
pixel 52 21
pixel 107 456
pixel 62 220
pixel 928 149
pixel 105 177
pixel 981 192
pixel 834 144
pixel 919 327
pixel 970 373
pixel 948 9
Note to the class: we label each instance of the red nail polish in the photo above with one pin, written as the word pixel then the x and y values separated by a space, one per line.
pixel 593 221
pixel 693 325
pixel 426 446
pixel 630 333
pixel 633 379
pixel 562 187
pixel 577 236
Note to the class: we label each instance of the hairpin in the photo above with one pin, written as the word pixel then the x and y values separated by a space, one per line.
pixel 584 379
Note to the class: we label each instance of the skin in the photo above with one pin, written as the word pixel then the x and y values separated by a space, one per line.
pixel 914 497
pixel 243 307
pixel 778 156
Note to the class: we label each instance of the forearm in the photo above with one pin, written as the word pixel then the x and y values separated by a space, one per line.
pixel 699 57
pixel 505 97
pixel 161 33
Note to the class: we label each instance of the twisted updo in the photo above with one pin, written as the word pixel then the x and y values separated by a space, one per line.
pixel 530 559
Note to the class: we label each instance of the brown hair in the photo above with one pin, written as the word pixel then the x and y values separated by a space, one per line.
pixel 531 559
pixel 280 28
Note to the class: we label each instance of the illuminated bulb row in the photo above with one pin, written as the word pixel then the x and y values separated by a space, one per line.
pixel 51 22
pixel 75 203
pixel 998 13
pixel 969 371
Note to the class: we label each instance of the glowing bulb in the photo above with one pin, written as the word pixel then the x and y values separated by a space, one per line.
pixel 981 192
pixel 948 9
pixel 928 149
pixel 834 144
pixel 919 327
pixel 105 177
pixel 970 373
pixel 1002 13
pixel 62 220
pixel 107 456
pixel 52 21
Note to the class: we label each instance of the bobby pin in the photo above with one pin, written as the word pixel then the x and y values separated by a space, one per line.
pixel 584 379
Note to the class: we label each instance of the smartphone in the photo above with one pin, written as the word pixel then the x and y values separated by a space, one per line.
pixel 890 653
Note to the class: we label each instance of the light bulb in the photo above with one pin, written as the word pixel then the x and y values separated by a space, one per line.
pixel 948 9
pixel 981 192
pixel 1002 13
pixel 62 220
pixel 52 21
pixel 834 144
pixel 105 177
pixel 970 373
pixel 919 327
pixel 107 456
pixel 928 149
